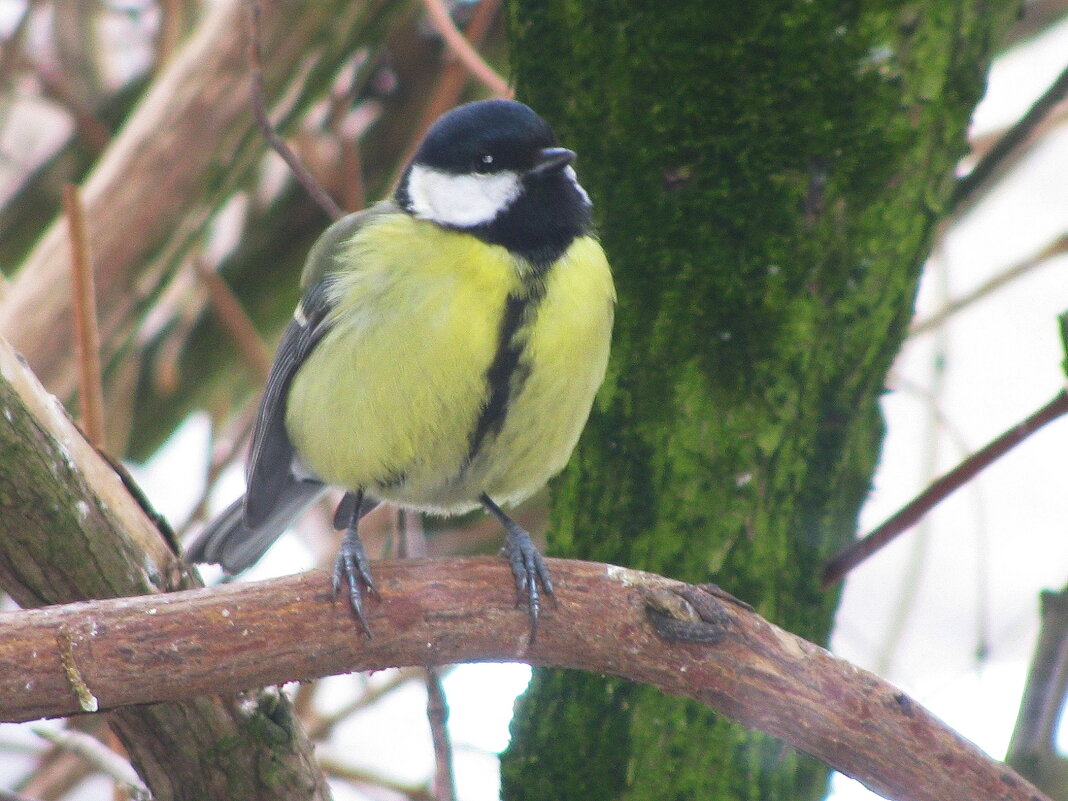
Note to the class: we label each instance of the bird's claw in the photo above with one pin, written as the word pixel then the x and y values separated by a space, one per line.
pixel 353 568
pixel 529 570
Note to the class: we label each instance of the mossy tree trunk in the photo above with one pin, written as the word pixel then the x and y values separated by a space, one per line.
pixel 768 176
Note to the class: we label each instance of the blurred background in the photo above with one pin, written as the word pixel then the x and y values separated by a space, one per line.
pixel 950 612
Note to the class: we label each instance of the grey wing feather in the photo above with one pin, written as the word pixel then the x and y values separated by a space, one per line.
pixel 271 460
pixel 275 495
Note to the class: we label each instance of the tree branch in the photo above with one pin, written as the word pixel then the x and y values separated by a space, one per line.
pixel 463 51
pixel 1057 247
pixel 907 516
pixel 437 712
pixel 314 189
pixel 86 333
pixel 128 217
pixel 971 187
pixel 692 641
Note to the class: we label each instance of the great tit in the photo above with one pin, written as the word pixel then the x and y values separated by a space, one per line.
pixel 445 353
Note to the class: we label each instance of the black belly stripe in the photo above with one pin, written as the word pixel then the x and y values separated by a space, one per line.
pixel 506 373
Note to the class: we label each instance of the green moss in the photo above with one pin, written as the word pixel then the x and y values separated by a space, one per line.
pixel 767 178
pixel 41 491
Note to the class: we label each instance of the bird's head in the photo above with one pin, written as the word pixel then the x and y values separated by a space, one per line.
pixel 494 168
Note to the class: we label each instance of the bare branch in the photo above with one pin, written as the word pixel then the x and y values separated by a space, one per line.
pixel 98 755
pixel 361 777
pixel 974 185
pixel 58 771
pixel 190 141
pixel 1057 247
pixel 464 52
pixel 71 528
pixel 437 712
pixel 1032 750
pixel 855 553
pixel 692 641
pixel 86 333
pixel 259 109
pixel 231 314
pixel 448 86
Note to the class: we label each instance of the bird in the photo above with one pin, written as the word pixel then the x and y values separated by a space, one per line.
pixel 445 353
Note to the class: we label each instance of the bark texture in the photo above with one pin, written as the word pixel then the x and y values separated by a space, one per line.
pixel 69 530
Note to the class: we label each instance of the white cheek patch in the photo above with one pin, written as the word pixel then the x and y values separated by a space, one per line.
pixel 569 171
pixel 460 200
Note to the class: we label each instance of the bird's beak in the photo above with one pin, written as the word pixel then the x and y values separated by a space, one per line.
pixel 552 158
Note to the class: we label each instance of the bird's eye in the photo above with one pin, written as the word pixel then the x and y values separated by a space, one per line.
pixel 484 162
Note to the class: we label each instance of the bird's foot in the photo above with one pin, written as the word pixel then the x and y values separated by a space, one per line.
pixel 353 568
pixel 529 570
pixel 528 566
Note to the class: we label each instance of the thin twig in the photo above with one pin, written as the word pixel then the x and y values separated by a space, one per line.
pixel 1036 727
pixel 970 186
pixel 339 770
pixel 58 771
pixel 86 333
pixel 259 109
pixel 1056 248
pixel 981 143
pixel 98 755
pixel 437 713
pixel 907 516
pixel 450 83
pixel 231 314
pixel 318 727
pixel 463 51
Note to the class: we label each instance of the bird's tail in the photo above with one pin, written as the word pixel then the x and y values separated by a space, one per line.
pixel 229 542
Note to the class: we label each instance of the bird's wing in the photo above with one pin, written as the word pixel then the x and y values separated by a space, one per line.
pixel 270 466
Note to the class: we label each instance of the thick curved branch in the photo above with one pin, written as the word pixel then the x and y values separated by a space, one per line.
pixel 692 641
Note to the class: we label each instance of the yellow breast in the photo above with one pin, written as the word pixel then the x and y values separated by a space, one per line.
pixel 566 353
pixel 389 399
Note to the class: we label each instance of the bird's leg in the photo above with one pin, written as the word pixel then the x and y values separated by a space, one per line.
pixel 528 566
pixel 352 565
